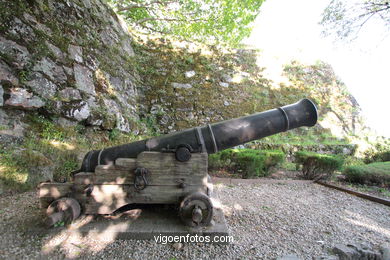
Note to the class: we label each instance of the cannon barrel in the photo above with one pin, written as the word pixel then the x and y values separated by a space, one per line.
pixel 213 137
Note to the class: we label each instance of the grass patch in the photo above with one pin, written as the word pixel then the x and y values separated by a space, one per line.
pixel 370 174
pixel 12 175
pixel 377 191
pixel 246 162
pixel 61 149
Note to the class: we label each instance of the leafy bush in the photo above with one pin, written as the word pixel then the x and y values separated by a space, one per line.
pixel 381 157
pixel 251 163
pixel 351 161
pixel 379 152
pixel 215 161
pixel 317 166
pixel 374 173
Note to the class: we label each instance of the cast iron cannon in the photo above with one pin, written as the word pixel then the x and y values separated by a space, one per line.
pixel 169 169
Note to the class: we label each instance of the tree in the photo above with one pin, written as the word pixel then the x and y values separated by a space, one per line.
pixel 346 18
pixel 210 21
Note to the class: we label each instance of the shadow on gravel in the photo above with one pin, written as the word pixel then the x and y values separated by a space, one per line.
pixel 90 234
pixel 280 214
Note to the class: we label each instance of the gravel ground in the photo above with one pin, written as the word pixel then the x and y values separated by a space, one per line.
pixel 267 219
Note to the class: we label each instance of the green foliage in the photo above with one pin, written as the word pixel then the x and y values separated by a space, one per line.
pixel 150 122
pixel 59 224
pixel 379 152
pixel 211 21
pixel 289 166
pixel 65 166
pixel 382 157
pixel 49 145
pixel 46 128
pixel 12 173
pixel 114 134
pixel 377 173
pixel 317 166
pixel 250 163
pixel 23 75
pixel 345 19
pixel 352 161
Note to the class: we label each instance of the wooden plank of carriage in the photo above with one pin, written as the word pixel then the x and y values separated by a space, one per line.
pixel 168 181
pixel 107 198
pixel 168 172
pixel 166 164
pixel 48 192
pixel 114 177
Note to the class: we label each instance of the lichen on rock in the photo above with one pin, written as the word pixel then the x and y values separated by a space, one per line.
pixel 48 67
pixel 41 86
pixel 75 53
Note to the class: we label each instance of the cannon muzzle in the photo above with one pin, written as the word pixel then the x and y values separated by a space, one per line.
pixel 213 137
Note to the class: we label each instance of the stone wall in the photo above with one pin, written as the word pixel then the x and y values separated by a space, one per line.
pixel 188 84
pixel 72 60
pixel 75 61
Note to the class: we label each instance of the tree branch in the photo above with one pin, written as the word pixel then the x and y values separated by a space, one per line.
pixel 154 30
pixel 139 22
pixel 133 6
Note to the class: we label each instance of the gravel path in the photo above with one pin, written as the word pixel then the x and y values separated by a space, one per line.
pixel 267 219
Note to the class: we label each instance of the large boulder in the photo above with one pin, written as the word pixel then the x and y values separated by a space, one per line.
pixel 20 30
pixel 69 94
pixel 19 54
pixel 42 86
pixel 84 79
pixel 78 111
pixel 55 72
pixel 181 85
pixel 75 53
pixel 1 95
pixel 55 51
pixel 21 98
pixel 6 74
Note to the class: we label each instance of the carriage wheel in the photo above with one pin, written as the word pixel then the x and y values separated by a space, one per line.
pixel 196 210
pixel 63 209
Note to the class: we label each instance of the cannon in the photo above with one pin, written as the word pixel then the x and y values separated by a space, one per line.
pixel 169 169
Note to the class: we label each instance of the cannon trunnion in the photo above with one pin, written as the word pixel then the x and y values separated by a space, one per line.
pixel 169 169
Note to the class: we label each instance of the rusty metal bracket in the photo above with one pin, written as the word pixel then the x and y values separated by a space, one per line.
pixel 140 180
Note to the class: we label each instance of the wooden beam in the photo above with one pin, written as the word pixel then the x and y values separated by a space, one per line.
pixel 105 199
pixel 356 193
pixel 48 192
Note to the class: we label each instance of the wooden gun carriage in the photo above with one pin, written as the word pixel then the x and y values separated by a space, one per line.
pixel 170 169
